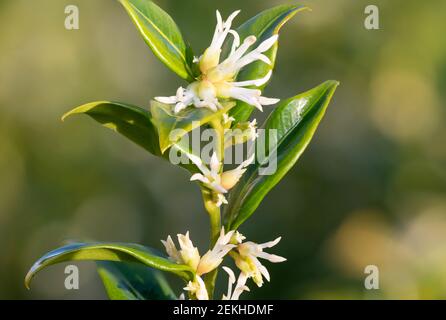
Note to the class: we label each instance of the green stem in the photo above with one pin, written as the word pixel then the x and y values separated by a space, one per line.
pixel 214 215
pixel 211 208
pixel 215 222
pixel 220 139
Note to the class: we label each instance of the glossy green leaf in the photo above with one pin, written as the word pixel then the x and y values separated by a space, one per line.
pixel 296 120
pixel 263 26
pixel 162 35
pixel 172 127
pixel 120 252
pixel 131 121
pixel 133 281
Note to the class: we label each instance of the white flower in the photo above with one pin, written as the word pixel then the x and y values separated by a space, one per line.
pixel 214 257
pixel 171 249
pixel 240 287
pixel 210 177
pixel 182 99
pixel 247 259
pixel 189 255
pixel 211 56
pixel 216 181
pixel 217 78
pixel 197 288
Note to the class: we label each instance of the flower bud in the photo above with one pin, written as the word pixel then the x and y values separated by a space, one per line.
pixel 189 253
pixel 237 238
pixel 207 264
pixel 209 60
pixel 229 179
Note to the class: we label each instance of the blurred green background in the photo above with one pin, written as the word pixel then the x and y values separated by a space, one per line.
pixel 370 189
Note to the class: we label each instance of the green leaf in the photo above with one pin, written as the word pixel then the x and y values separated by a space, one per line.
pixel 172 127
pixel 133 281
pixel 120 252
pixel 263 26
pixel 131 121
pixel 296 120
pixel 162 35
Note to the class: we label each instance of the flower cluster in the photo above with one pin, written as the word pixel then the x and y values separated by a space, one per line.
pixel 245 254
pixel 217 181
pixel 189 255
pixel 216 83
pixel 217 79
